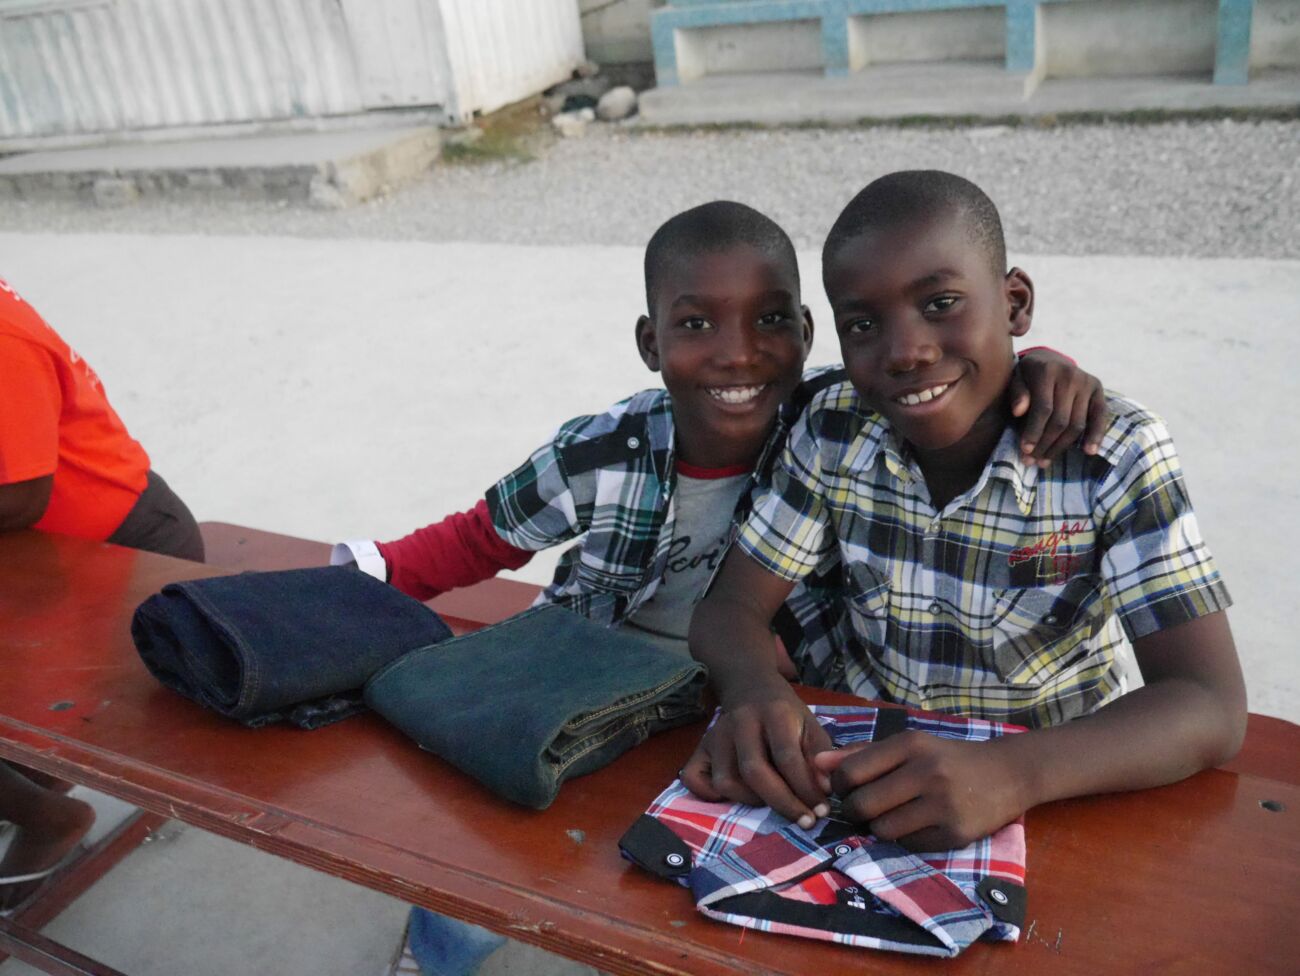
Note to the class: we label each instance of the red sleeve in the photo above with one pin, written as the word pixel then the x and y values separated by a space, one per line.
pixel 461 550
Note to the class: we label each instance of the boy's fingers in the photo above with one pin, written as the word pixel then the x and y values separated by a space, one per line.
pixel 697 776
pixel 755 771
pixel 719 774
pixel 872 800
pixel 816 742
pixel 1036 418
pixel 869 762
pixel 1018 394
pixel 1071 425
pixel 1098 420
pixel 906 820
pixel 786 746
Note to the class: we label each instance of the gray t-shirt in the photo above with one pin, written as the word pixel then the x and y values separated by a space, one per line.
pixel 701 532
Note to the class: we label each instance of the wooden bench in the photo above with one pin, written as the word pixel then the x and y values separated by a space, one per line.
pixel 1201 875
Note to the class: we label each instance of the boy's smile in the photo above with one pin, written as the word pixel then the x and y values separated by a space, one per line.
pixel 730 338
pixel 925 327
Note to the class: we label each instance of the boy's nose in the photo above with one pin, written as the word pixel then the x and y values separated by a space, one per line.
pixel 738 345
pixel 912 346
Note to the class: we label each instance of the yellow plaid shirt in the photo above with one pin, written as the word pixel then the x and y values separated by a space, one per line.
pixel 1010 604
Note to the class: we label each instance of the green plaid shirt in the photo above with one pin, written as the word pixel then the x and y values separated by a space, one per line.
pixel 1010 603
pixel 610 480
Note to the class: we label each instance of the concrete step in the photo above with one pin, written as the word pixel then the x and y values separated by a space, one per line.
pixel 946 89
pixel 326 169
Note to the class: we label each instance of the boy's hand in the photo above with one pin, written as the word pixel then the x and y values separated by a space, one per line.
pixel 931 794
pixel 760 753
pixel 1060 402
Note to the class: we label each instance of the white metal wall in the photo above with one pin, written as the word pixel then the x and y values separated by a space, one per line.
pixel 71 67
pixel 109 65
pixel 504 50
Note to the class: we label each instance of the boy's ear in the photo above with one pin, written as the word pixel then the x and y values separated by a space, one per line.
pixel 1020 298
pixel 647 343
pixel 807 330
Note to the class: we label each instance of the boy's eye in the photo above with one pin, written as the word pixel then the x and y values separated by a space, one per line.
pixel 695 323
pixel 942 303
pixel 857 326
pixel 772 319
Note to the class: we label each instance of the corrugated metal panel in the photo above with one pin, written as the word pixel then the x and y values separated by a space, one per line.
pixel 401 51
pixel 112 65
pixel 503 50
pixel 70 67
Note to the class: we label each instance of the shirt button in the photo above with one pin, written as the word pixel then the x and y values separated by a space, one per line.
pixel 842 849
pixel 934 608
pixel 633 443
pixel 998 896
pixel 1050 618
pixel 674 860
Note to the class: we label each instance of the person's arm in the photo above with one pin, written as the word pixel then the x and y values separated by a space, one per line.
pixel 1162 583
pixel 759 751
pixel 935 794
pixel 1059 404
pixel 461 550
pixel 30 402
pixel 23 503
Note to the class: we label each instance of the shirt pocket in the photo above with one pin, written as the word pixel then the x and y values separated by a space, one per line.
pixel 870 592
pixel 1039 631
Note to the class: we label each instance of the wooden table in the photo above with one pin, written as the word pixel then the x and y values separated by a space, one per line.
pixel 1202 876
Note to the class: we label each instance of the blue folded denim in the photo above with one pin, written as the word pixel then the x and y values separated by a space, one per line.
pixel 537 699
pixel 295 645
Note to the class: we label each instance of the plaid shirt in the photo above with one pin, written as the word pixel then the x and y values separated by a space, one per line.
pixel 1010 603
pixel 752 867
pixel 610 479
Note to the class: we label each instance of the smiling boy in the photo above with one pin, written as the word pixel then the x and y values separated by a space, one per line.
pixel 978 584
pixel 655 488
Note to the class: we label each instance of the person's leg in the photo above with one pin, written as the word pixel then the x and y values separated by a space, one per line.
pixel 43 780
pixel 443 946
pixel 49 826
pixel 160 522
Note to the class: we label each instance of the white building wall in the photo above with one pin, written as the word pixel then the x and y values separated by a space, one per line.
pixel 106 67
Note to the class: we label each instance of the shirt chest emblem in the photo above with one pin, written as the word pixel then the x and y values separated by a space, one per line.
pixel 1052 554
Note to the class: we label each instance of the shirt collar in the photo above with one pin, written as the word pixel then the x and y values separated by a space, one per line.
pixel 878 441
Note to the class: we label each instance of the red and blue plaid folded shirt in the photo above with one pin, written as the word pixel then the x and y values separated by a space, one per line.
pixel 752 867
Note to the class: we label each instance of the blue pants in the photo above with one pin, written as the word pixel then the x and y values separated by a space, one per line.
pixel 446 947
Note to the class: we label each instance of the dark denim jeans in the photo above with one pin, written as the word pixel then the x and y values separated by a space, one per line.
pixel 534 700
pixel 295 645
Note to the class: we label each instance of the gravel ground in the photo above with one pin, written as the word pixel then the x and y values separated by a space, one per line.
pixel 1204 189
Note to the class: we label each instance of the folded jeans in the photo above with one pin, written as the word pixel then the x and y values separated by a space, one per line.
pixel 295 645
pixel 539 698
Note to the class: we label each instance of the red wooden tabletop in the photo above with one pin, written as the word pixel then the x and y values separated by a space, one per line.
pixel 1202 876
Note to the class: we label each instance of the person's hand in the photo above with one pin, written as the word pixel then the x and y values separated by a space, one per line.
pixel 1059 403
pixel 760 753
pixel 928 793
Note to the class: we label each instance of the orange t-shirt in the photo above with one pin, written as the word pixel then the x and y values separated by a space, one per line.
pixel 55 419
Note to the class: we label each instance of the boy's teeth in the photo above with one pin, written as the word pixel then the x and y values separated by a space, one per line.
pixel 736 394
pixel 912 399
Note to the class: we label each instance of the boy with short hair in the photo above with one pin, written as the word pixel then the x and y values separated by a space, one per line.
pixel 656 487
pixel 977 584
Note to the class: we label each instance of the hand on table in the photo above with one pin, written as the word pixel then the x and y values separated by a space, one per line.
pixel 928 793
pixel 760 753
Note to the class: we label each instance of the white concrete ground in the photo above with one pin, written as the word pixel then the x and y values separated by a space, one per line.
pixel 331 388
